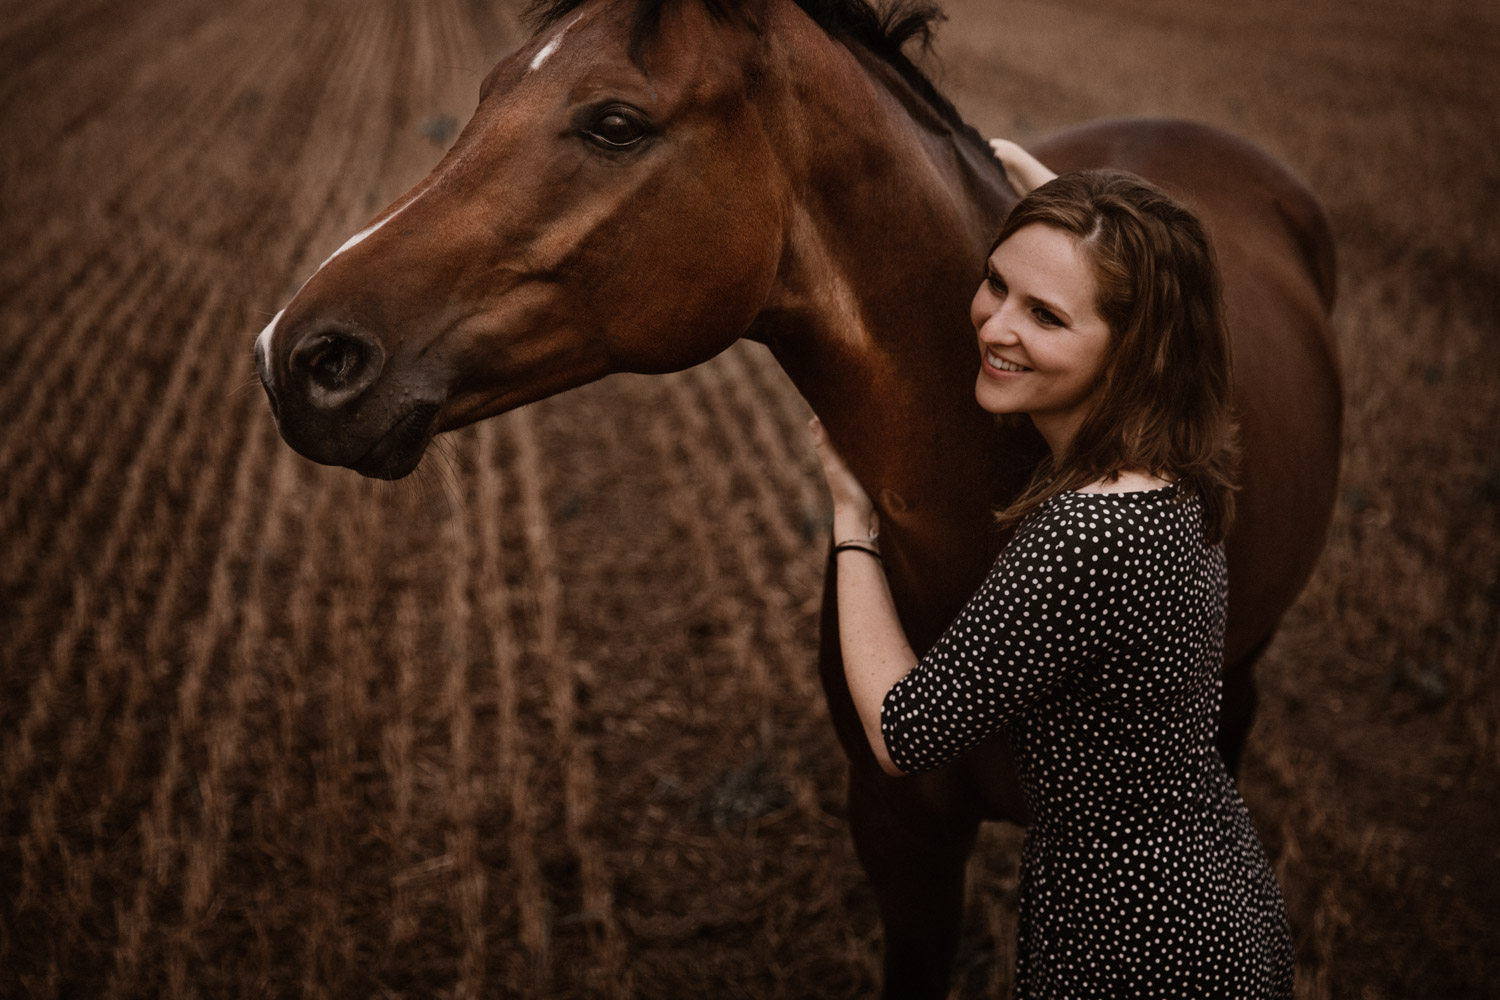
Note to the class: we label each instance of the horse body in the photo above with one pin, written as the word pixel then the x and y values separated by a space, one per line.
pixel 773 181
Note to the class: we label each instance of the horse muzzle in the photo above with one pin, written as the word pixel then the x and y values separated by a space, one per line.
pixel 332 405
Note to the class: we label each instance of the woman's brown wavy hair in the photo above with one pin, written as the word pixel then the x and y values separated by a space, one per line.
pixel 1162 403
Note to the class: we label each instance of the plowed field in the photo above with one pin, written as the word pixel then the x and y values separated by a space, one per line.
pixel 543 720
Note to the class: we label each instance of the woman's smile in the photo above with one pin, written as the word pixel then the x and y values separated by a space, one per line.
pixel 1000 364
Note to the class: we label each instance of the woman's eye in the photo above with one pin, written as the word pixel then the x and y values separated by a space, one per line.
pixel 996 285
pixel 1047 318
pixel 616 130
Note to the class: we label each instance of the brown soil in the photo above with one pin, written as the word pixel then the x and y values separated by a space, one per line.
pixel 543 721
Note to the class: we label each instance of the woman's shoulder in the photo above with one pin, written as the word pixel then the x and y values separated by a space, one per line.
pixel 1115 518
pixel 1138 540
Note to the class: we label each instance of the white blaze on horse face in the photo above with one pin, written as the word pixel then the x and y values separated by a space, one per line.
pixel 547 50
pixel 364 234
pixel 263 342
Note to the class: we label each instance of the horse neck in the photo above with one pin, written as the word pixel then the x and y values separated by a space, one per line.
pixel 892 211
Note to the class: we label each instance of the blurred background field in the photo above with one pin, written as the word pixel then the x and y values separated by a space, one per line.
pixel 543 720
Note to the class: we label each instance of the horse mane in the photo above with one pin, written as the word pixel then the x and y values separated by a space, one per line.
pixel 885 31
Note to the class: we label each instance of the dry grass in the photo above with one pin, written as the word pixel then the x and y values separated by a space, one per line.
pixel 543 721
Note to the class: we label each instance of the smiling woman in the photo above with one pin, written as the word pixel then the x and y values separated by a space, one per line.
pixel 1096 643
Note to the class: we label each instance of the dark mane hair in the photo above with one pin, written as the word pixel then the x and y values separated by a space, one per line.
pixel 884 30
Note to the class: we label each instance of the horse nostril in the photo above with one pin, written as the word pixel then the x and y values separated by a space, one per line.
pixel 330 365
pixel 332 361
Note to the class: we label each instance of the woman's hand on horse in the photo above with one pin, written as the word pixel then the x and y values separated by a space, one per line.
pixel 853 511
pixel 1024 171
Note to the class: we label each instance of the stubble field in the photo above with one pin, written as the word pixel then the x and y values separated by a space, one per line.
pixel 543 721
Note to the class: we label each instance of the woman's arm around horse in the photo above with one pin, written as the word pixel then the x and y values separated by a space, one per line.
pixel 874 646
pixel 1003 640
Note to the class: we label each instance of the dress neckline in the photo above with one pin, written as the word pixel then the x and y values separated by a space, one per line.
pixel 1167 488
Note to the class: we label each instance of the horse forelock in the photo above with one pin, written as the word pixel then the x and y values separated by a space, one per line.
pixel 884 30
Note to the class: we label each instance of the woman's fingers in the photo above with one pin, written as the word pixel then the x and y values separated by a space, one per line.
pixel 1006 152
pixel 834 469
pixel 831 459
pixel 1024 171
pixel 850 501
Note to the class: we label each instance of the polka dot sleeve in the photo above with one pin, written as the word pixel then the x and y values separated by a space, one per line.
pixel 1047 611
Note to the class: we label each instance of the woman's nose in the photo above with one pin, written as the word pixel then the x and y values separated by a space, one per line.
pixel 998 327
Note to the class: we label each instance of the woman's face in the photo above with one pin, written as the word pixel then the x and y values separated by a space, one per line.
pixel 1041 340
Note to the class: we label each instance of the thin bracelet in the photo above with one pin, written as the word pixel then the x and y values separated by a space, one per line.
pixel 857 547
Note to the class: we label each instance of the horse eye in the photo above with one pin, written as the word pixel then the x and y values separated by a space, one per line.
pixel 616 130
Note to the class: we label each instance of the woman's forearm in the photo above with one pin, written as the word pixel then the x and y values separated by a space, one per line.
pixel 875 649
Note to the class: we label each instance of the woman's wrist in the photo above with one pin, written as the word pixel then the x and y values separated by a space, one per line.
pixel 853 529
pixel 862 548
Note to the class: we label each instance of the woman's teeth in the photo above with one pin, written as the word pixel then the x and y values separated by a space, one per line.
pixel 1006 366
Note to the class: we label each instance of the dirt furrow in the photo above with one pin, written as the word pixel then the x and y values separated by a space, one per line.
pixel 313 720
pixel 176 535
pixel 36 278
pixel 93 612
pixel 675 460
pixel 183 835
pixel 57 573
pixel 464 786
pixel 101 431
pixel 135 741
pixel 734 524
pixel 227 734
pixel 555 657
pixel 91 586
pixel 398 749
pixel 82 341
pixel 773 655
pixel 510 771
pixel 772 540
pixel 216 730
pixel 280 121
pixel 204 637
pixel 792 495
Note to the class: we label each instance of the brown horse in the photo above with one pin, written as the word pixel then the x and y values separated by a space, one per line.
pixel 647 181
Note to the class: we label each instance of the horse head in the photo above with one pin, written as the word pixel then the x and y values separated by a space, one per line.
pixel 611 206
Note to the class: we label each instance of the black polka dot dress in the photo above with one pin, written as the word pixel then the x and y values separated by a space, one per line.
pixel 1097 643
